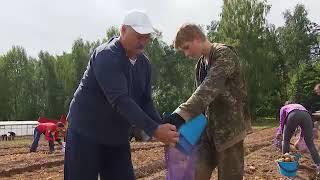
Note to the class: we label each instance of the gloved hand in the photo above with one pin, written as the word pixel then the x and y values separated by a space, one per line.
pixel 174 119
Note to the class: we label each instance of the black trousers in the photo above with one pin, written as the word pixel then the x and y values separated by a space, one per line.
pixel 303 119
pixel 86 160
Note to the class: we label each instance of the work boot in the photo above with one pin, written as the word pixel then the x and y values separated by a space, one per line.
pixel 32 150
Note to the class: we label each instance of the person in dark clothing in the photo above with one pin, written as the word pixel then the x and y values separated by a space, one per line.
pixel 11 135
pixel 4 137
pixel 114 94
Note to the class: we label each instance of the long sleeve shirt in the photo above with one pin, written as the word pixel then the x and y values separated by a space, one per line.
pixel 221 95
pixel 47 129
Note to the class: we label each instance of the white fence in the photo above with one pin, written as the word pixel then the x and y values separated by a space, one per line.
pixel 21 128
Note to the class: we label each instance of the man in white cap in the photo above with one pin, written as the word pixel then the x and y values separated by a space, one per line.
pixel 114 93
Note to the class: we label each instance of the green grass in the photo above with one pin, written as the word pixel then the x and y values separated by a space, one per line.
pixel 265 123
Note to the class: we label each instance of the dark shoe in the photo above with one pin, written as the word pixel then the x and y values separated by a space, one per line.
pixel 31 150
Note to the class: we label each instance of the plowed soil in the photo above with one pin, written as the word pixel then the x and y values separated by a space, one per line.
pixel 148 158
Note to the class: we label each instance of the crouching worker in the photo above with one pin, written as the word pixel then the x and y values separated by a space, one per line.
pixel 292 116
pixel 51 132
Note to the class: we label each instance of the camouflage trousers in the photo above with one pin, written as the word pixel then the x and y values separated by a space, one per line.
pixel 230 162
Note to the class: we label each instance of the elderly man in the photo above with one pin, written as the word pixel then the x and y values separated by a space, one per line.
pixel 113 95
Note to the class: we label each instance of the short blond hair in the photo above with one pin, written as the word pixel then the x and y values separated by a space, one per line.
pixel 188 32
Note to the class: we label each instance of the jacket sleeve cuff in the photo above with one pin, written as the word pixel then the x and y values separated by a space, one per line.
pixel 184 114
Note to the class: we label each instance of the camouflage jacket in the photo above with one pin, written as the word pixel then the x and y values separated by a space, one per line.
pixel 221 95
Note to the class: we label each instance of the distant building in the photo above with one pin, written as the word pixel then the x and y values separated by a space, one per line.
pixel 21 128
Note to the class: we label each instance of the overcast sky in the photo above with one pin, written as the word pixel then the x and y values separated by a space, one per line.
pixel 54 25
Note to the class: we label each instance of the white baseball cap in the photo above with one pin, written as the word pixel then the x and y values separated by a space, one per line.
pixel 139 21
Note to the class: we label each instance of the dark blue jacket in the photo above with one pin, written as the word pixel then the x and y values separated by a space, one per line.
pixel 113 95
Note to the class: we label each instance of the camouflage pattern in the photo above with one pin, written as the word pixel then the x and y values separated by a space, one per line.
pixel 230 162
pixel 221 96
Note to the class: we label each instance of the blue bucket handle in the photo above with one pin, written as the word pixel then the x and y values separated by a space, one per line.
pixel 289 171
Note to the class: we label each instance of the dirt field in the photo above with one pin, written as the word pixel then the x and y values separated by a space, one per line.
pixel 17 163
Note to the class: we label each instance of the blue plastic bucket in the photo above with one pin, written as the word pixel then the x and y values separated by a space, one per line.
pixel 193 129
pixel 288 169
pixel 184 146
pixel 190 133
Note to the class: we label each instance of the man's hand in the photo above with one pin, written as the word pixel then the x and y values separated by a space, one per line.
pixel 167 133
pixel 174 119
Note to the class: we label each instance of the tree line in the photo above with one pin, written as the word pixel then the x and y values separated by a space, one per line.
pixel 279 63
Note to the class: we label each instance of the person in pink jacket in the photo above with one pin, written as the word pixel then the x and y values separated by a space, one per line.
pixel 291 116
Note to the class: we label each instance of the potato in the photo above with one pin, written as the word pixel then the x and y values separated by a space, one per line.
pixel 287 159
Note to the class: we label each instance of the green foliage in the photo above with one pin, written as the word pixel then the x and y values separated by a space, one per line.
pixel 17 70
pixel 66 75
pixel 5 94
pixel 50 91
pixel 243 25
pixel 171 86
pixel 278 64
pixel 270 57
pixel 80 56
pixel 303 82
pixel 111 32
pixel 297 39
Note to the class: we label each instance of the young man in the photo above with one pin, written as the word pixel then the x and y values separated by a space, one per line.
pixel 113 95
pixel 51 132
pixel 221 96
